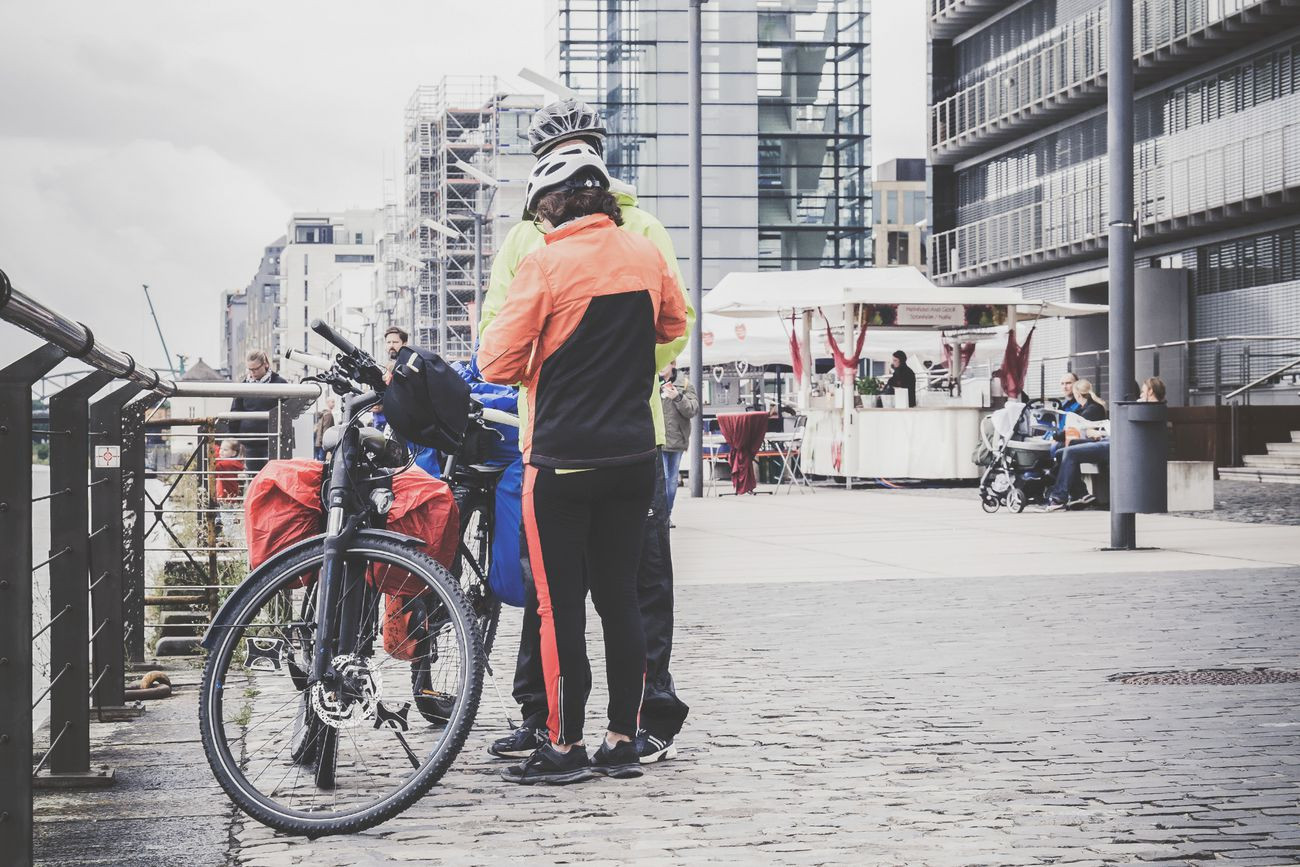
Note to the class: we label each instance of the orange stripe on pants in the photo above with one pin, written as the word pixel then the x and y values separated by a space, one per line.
pixel 550 650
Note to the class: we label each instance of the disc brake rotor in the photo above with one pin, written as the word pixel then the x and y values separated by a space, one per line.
pixel 348 711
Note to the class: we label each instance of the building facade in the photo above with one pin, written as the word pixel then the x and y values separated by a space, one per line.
pixel 898 196
pixel 262 313
pixel 786 121
pixel 1018 185
pixel 432 260
pixel 234 331
pixel 320 248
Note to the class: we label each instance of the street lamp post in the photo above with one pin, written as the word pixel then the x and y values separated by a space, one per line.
pixel 697 246
pixel 1119 146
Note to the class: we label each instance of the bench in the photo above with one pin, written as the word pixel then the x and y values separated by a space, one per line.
pixel 1190 485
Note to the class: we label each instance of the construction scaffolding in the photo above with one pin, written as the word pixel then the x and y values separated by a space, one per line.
pixel 451 125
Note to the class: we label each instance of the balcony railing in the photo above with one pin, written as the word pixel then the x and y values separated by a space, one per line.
pixel 950 17
pixel 1067 70
pixel 1168 198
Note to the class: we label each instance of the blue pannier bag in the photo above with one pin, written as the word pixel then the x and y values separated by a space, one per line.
pixel 505 572
pixel 505 569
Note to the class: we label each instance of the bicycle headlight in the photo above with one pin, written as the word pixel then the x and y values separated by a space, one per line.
pixel 382 500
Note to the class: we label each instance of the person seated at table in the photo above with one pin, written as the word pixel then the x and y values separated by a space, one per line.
pixel 902 377
pixel 1093 447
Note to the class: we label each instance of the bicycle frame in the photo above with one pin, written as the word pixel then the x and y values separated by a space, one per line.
pixel 337 590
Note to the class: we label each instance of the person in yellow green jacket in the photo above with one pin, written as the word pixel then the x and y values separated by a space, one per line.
pixel 662 712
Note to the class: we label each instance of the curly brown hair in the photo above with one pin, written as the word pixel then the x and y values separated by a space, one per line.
pixel 561 206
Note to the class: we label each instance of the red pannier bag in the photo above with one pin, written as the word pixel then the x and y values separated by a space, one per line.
pixel 282 507
pixel 425 508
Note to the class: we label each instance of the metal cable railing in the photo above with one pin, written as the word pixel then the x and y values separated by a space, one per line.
pixel 50 656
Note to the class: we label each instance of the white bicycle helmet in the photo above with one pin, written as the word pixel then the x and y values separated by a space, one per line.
pixel 565 119
pixel 573 166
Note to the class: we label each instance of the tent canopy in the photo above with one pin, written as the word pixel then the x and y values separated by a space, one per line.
pixel 751 294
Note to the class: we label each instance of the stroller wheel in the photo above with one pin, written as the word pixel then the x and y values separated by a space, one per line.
pixel 990 503
pixel 1016 500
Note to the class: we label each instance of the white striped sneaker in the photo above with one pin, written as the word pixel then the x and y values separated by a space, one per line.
pixel 653 749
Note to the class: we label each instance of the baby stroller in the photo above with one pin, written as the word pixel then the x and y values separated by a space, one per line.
pixel 1017 459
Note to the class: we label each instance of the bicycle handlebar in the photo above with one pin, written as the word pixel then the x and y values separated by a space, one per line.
pixel 500 417
pixel 347 347
pixel 319 362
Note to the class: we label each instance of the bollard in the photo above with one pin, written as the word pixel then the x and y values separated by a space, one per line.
pixel 107 631
pixel 16 382
pixel 69 625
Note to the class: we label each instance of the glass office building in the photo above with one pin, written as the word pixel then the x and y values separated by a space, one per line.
pixel 787 125
pixel 1018 154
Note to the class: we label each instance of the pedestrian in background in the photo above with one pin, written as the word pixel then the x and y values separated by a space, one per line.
pixel 680 406
pixel 324 422
pixel 254 432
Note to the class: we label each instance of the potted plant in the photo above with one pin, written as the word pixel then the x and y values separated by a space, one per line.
pixel 868 389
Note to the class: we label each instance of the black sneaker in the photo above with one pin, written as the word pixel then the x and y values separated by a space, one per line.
pixel 651 749
pixel 520 744
pixel 620 761
pixel 549 765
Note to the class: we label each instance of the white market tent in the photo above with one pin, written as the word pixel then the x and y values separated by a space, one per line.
pixel 753 294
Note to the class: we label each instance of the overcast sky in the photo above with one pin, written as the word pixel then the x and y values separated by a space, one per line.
pixel 150 141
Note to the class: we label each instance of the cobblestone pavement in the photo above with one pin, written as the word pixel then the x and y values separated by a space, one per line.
pixel 1254 503
pixel 929 721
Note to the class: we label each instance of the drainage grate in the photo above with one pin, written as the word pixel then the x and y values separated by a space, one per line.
pixel 1208 677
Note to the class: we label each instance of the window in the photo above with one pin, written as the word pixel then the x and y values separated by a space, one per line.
pixel 891 206
pixel 358 239
pixel 898 248
pixel 913 207
pixel 305 261
pixel 353 257
pixel 313 234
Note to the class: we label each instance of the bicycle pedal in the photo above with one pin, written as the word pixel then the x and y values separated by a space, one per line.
pixel 263 654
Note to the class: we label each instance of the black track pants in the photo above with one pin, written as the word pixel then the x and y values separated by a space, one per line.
pixel 586 528
pixel 662 712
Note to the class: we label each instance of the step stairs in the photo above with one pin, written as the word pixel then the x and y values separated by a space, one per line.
pixel 1280 465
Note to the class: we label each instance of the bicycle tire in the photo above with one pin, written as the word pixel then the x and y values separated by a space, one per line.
pixel 486 604
pixel 225 764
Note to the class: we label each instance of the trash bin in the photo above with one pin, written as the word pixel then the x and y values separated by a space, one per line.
pixel 1139 453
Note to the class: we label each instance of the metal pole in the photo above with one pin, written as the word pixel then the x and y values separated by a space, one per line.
pixel 16 383
pixel 70 573
pixel 697 246
pixel 1119 145
pixel 133 502
pixel 478 264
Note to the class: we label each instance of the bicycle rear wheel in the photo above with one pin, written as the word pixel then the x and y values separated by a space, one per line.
pixel 347 753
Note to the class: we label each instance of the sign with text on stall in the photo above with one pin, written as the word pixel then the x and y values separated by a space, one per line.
pixel 930 315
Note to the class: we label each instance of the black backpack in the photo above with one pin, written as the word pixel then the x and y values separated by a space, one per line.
pixel 427 402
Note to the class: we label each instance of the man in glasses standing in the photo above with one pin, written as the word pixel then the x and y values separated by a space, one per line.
pixel 256 448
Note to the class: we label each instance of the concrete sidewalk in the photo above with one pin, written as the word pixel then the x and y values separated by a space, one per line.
pixel 960 713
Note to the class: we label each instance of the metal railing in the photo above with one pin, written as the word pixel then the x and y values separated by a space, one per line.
pixel 1066 63
pixel 1258 166
pixel 1217 369
pixel 95 565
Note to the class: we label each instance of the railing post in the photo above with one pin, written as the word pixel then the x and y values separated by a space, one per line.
pixel 133 517
pixel 108 669
pixel 16 383
pixel 70 584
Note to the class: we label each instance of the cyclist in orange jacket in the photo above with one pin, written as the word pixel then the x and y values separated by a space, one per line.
pixel 585 314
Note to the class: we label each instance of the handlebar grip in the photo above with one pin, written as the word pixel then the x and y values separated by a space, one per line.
pixel 316 361
pixel 347 347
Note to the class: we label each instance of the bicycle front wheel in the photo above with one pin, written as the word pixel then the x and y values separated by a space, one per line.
pixel 354 749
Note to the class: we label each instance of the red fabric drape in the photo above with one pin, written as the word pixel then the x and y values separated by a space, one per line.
pixel 1015 365
pixel 966 354
pixel 744 433
pixel 796 357
pixel 846 366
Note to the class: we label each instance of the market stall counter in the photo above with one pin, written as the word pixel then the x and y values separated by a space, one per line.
pixel 924 442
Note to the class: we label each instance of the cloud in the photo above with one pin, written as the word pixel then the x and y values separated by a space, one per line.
pixel 83 226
